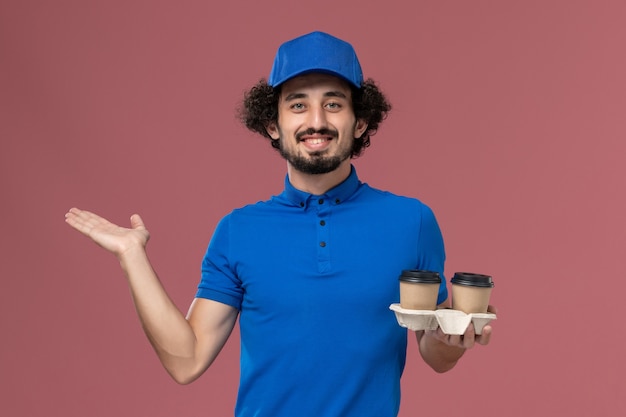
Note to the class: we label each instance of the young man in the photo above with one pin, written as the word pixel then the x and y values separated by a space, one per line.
pixel 311 272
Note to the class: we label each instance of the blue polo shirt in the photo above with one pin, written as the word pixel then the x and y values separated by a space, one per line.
pixel 313 277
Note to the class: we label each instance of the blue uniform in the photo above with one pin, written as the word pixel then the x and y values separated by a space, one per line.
pixel 313 277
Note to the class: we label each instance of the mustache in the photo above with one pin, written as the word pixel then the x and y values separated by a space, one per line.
pixel 311 131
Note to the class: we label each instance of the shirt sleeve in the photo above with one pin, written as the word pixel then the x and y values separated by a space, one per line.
pixel 431 252
pixel 219 281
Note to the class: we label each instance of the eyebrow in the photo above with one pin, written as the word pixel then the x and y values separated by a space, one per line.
pixel 333 93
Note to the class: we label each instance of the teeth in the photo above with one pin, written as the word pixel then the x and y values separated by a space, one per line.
pixel 316 141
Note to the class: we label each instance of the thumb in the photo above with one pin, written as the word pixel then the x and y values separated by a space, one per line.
pixel 136 222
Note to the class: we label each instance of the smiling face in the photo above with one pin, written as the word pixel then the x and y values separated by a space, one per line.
pixel 316 124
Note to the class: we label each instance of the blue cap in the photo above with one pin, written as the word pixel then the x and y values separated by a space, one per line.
pixel 316 52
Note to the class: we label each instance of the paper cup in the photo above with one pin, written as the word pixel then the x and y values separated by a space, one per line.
pixel 471 292
pixel 419 289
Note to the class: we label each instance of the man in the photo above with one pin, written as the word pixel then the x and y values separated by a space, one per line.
pixel 311 272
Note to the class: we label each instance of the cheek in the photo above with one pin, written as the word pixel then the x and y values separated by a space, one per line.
pixel 347 127
pixel 292 126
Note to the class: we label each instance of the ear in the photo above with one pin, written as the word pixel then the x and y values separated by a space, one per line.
pixel 272 130
pixel 360 128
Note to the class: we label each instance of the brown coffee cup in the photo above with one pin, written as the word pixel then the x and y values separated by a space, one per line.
pixel 419 289
pixel 471 292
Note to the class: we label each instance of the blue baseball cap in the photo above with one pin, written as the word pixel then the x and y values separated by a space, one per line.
pixel 316 52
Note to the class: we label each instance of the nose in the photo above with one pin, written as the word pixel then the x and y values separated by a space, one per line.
pixel 317 118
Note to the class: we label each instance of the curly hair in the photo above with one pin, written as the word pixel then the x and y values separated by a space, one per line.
pixel 260 108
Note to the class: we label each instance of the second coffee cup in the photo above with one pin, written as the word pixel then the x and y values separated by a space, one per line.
pixel 471 292
pixel 419 289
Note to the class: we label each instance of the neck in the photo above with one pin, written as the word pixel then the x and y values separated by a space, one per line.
pixel 318 184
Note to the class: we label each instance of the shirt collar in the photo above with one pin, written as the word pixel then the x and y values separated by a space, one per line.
pixel 335 195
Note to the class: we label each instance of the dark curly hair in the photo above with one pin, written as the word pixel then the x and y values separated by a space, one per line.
pixel 260 107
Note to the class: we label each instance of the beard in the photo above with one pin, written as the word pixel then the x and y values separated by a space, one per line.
pixel 316 162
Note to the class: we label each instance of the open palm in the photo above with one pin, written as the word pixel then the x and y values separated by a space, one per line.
pixel 108 235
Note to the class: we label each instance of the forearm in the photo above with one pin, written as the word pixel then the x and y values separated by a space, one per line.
pixel 437 354
pixel 164 324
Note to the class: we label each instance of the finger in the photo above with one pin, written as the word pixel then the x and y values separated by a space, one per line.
pixel 81 213
pixel 492 309
pixel 72 214
pixel 82 216
pixel 438 334
pixel 76 219
pixel 485 337
pixel 455 340
pixel 136 222
pixel 442 336
pixel 469 337
pixel 432 333
pixel 85 221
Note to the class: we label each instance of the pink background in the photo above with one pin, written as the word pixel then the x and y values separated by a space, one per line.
pixel 508 121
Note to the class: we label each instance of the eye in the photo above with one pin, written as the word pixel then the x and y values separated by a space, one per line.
pixel 333 105
pixel 297 106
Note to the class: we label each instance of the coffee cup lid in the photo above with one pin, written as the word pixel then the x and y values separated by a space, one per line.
pixel 420 276
pixel 472 280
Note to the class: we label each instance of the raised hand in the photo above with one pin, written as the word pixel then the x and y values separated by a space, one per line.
pixel 111 237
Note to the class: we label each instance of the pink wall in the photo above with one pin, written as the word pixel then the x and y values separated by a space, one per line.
pixel 508 121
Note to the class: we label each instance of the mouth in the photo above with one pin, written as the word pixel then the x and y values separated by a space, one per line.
pixel 314 144
pixel 315 140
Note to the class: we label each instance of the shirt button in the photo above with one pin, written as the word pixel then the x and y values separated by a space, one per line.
pixel 321 201
pixel 323 244
pixel 337 201
pixel 301 204
pixel 322 223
